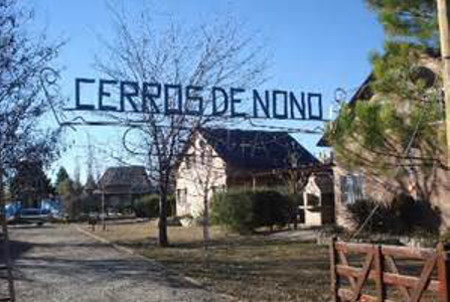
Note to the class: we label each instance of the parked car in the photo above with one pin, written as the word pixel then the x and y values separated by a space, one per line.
pixel 53 209
pixel 33 215
pixel 12 211
pixel 48 210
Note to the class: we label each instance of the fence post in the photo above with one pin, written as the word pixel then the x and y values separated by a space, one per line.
pixel 443 265
pixel 333 269
pixel 379 269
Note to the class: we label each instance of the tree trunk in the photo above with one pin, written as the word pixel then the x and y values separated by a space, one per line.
pixel 206 236
pixel 163 241
pixel 6 246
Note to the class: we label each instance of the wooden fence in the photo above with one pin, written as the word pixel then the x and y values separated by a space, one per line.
pixel 380 267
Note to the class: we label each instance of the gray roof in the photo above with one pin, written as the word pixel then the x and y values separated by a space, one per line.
pixel 258 150
pixel 125 180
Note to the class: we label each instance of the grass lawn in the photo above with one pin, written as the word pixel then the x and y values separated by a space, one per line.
pixel 250 268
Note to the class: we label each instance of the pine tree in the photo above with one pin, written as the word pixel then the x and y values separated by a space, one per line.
pixel 61 176
pixel 90 185
pixel 413 21
pixel 394 131
pixel 30 184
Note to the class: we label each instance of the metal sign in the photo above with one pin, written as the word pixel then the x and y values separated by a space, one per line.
pixel 176 99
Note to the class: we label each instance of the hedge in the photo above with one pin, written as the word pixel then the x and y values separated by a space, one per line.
pixel 148 206
pixel 245 211
pixel 402 216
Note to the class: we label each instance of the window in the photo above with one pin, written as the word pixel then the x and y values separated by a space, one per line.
pixel 313 201
pixel 182 195
pixel 209 156
pixel 352 187
pixel 218 189
pixel 202 146
pixel 182 201
pixel 179 195
pixel 202 157
pixel 188 161
pixel 246 148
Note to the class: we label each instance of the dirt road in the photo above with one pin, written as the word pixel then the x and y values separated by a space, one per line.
pixel 58 263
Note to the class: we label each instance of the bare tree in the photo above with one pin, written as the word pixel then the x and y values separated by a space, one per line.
pixel 205 174
pixel 212 54
pixel 24 58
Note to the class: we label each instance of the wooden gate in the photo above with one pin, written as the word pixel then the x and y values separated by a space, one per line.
pixel 380 273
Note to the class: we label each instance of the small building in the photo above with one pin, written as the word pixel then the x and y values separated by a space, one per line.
pixel 121 186
pixel 317 203
pixel 220 159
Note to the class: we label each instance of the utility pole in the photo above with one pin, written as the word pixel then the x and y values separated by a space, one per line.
pixel 445 52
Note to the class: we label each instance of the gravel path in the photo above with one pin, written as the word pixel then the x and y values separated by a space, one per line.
pixel 58 263
pixel 301 235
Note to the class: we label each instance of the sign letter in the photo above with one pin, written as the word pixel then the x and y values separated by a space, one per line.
pixel 283 115
pixel 176 99
pixel 318 98
pixel 78 105
pixel 148 96
pixel 264 105
pixel 234 100
pixel 102 93
pixel 124 94
pixel 294 104
pixel 192 94
pixel 216 111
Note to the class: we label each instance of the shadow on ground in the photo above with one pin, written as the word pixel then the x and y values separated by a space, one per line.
pixel 112 269
pixel 17 248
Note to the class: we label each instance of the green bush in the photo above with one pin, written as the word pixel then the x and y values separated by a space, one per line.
pixel 234 210
pixel 415 216
pixel 403 216
pixel 148 206
pixel 380 221
pixel 270 208
pixel 246 211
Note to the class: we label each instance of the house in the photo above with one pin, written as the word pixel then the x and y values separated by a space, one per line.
pixel 220 159
pixel 358 183
pixel 121 186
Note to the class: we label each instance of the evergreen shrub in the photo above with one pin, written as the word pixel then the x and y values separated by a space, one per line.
pixel 245 211
pixel 402 216
pixel 148 206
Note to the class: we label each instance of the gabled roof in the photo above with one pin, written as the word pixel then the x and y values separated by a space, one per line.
pixel 125 180
pixel 90 185
pixel 258 150
pixel 364 92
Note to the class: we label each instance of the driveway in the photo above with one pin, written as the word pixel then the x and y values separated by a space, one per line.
pixel 58 263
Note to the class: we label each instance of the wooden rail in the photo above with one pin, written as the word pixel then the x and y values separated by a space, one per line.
pixel 380 267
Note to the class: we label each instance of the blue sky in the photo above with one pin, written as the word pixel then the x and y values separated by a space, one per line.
pixel 316 45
